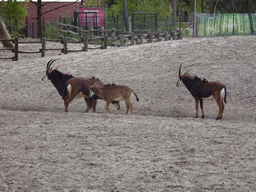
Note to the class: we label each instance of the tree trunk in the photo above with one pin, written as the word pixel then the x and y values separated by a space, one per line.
pixel 126 20
pixel 4 34
pixel 174 5
pixel 39 18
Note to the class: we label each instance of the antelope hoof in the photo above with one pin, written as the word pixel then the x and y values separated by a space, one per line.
pixel 218 118
pixel 202 116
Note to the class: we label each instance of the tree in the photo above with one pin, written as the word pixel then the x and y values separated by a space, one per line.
pixel 4 34
pixel 14 13
pixel 174 6
pixel 40 13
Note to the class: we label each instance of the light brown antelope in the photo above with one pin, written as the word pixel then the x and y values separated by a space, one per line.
pixel 113 91
pixel 202 89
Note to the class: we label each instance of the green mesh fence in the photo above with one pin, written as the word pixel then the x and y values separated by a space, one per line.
pixel 225 24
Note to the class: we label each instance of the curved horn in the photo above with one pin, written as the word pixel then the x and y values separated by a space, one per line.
pixel 50 63
pixel 180 70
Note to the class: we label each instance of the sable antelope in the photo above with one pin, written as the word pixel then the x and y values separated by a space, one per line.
pixel 70 87
pixel 202 89
pixel 112 91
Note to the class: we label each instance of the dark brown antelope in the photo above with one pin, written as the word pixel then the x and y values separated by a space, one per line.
pixel 202 89
pixel 70 87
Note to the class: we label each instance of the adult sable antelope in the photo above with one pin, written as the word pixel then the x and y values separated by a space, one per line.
pixel 202 89
pixel 70 87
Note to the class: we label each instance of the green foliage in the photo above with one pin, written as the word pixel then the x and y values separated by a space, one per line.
pixel 187 34
pixel 51 31
pixel 14 13
pixel 162 7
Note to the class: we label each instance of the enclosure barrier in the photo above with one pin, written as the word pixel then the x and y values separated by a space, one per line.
pixel 88 37
pixel 69 31
pixel 8 49
pixel 16 50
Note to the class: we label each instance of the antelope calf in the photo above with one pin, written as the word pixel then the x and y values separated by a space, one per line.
pixel 113 91
pixel 202 89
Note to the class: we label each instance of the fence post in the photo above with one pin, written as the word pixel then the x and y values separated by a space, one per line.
pixel 102 32
pixel 81 32
pixel 65 45
pixel 105 42
pixel 166 36
pixel 132 38
pixel 113 31
pixel 141 38
pixel 150 38
pixel 16 49
pixel 179 36
pixel 121 36
pixel 91 30
pixel 174 36
pixel 85 48
pixel 158 35
pixel 43 47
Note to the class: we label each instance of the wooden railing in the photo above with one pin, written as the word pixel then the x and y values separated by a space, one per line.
pixel 72 34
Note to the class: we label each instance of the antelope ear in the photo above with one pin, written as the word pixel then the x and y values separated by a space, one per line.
pixel 179 82
pixel 56 68
pixel 92 86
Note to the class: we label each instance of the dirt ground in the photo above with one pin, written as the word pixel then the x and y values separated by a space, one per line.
pixel 162 147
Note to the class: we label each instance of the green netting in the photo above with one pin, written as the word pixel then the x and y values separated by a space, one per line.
pixel 225 24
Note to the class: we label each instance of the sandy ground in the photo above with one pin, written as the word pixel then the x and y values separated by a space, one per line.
pixel 159 148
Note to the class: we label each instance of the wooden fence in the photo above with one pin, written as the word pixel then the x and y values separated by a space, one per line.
pixel 16 50
pixel 72 34
pixel 109 36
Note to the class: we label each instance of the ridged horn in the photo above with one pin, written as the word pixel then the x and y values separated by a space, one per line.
pixel 50 63
pixel 180 70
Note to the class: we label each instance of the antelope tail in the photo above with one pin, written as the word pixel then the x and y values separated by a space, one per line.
pixel 135 96
pixel 223 94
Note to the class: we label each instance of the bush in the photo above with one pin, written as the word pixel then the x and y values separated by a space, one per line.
pixel 51 32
